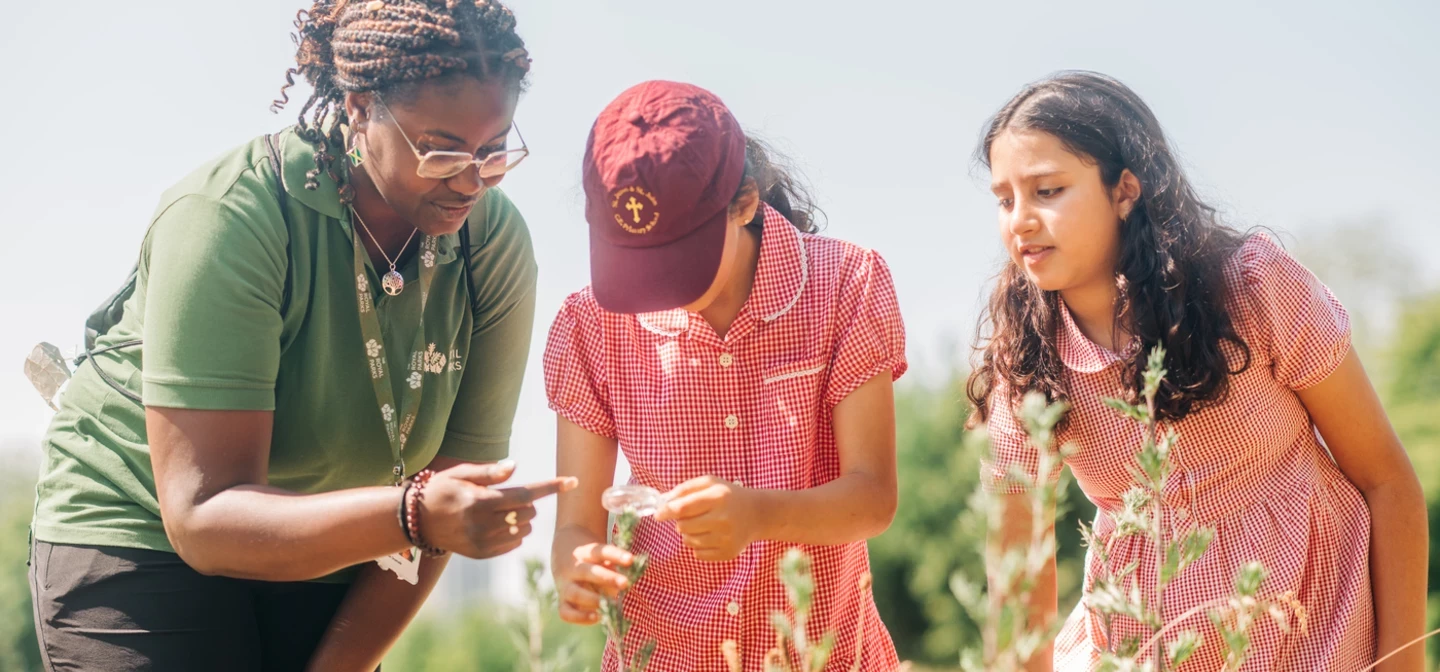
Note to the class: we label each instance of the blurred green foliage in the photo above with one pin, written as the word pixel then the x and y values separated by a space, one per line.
pixel 480 639
pixel 1412 400
pixel 928 542
pixel 18 650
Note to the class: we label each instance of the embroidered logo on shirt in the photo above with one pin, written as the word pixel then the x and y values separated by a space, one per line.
pixel 635 209
pixel 434 361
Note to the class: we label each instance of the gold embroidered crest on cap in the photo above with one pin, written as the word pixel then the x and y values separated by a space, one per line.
pixel 635 209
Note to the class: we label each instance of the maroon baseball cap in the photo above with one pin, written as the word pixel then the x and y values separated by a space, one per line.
pixel 662 165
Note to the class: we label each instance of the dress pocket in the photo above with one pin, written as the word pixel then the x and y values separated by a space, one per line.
pixel 793 391
pixel 793 410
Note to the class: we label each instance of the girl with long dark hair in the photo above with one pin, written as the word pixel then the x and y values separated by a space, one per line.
pixel 1112 253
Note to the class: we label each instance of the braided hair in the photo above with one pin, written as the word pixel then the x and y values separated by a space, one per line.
pixel 390 46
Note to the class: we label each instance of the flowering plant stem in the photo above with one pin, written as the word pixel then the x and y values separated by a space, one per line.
pixel 612 613
pixel 1008 637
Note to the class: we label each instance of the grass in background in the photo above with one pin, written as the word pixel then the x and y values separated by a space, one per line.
pixel 479 638
pixel 18 647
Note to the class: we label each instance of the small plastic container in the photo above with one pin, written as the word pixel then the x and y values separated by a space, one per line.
pixel 643 499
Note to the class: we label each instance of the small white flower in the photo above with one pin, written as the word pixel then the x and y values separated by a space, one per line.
pixel 415 380
pixel 372 348
pixel 428 258
pixel 362 283
pixel 388 412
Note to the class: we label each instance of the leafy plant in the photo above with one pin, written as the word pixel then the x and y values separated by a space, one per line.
pixel 800 590
pixel 1007 637
pixel 1143 515
pixel 612 614
pixel 1010 639
pixel 931 539
pixel 528 630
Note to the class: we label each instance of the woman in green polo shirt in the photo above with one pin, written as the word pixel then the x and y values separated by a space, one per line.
pixel 311 339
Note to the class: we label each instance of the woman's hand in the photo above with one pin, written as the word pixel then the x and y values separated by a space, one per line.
pixel 715 518
pixel 462 513
pixel 592 574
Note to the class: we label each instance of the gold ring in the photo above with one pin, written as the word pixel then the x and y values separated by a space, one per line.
pixel 514 530
pixel 512 518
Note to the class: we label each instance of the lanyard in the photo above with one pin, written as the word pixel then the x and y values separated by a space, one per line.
pixel 398 421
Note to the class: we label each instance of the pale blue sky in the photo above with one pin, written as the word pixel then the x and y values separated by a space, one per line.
pixel 1289 114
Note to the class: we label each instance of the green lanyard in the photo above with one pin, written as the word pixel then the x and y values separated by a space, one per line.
pixel 398 421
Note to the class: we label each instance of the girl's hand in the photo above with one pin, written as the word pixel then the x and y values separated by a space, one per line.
pixel 716 518
pixel 591 575
pixel 461 513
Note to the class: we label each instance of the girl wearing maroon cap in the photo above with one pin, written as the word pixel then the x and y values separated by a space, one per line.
pixel 744 366
pixel 1112 254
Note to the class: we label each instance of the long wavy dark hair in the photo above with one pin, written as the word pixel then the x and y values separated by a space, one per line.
pixel 1170 274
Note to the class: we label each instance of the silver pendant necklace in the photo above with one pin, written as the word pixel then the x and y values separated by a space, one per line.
pixel 393 283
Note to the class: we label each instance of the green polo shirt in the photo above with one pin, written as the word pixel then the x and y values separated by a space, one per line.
pixel 209 308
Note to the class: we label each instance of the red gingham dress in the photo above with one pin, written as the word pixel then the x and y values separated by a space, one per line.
pixel 1251 467
pixel 753 408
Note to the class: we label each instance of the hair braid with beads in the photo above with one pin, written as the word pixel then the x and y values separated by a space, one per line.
pixel 357 46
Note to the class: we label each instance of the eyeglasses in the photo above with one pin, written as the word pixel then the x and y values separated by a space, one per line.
pixel 443 165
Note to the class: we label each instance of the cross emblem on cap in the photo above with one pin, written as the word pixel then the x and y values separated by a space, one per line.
pixel 627 203
pixel 635 207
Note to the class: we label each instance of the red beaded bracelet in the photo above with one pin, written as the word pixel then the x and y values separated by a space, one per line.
pixel 416 494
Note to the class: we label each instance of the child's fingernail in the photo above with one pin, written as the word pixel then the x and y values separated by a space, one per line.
pixel 569 483
pixel 506 464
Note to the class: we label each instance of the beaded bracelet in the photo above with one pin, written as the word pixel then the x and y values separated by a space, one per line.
pixel 415 495
pixel 400 511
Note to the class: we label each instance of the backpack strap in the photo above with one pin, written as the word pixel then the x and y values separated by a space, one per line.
pixel 469 272
pixel 114 384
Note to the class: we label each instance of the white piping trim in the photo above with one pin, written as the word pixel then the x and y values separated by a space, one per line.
pixel 657 330
pixel 804 278
pixel 793 374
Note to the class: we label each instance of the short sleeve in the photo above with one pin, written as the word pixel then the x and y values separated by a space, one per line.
pixel 575 367
pixel 871 337
pixel 1296 318
pixel 213 284
pixel 1010 448
pixel 503 273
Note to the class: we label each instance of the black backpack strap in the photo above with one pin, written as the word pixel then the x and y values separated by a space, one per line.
pixel 114 384
pixel 469 272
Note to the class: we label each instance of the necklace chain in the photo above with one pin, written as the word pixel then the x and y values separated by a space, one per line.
pixel 366 228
